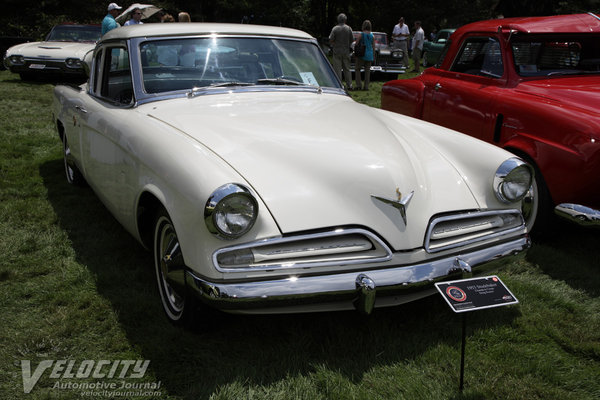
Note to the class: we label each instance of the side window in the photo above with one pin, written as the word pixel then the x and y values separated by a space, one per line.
pixel 116 79
pixel 443 53
pixel 480 56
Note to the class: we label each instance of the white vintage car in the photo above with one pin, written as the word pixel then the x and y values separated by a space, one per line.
pixel 233 152
pixel 62 52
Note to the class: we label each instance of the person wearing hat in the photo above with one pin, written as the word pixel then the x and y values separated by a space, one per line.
pixel 109 22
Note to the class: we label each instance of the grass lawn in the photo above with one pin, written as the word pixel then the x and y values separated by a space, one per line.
pixel 75 286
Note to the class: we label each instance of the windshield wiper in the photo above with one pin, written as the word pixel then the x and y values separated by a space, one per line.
pixel 231 83
pixel 571 72
pixel 280 81
pixel 195 91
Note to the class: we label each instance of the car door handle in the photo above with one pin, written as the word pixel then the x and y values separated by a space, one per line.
pixel 81 109
pixel 437 86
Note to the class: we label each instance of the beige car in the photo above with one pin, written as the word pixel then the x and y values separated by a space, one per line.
pixel 62 53
pixel 235 155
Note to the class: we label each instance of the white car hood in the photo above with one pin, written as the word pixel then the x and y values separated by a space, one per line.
pixel 53 50
pixel 316 160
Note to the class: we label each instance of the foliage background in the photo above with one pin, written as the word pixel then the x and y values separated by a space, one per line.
pixel 34 18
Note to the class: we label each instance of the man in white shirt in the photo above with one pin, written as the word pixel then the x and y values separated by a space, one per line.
pixel 417 46
pixel 400 36
pixel 136 17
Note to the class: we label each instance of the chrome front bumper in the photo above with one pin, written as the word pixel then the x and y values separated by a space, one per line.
pixel 42 66
pixel 361 290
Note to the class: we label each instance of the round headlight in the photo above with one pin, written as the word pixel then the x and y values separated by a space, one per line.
pixel 17 60
pixel 230 211
pixel 73 62
pixel 513 180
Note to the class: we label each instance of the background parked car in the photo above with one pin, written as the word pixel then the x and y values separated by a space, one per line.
pixel 62 53
pixel 432 50
pixel 7 42
pixel 529 85
pixel 386 59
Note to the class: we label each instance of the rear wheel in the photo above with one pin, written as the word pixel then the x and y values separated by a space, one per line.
pixel 72 173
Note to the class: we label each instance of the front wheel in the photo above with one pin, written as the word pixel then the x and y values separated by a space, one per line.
pixel 537 205
pixel 169 266
pixel 530 205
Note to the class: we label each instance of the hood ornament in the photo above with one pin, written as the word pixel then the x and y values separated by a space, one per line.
pixel 399 204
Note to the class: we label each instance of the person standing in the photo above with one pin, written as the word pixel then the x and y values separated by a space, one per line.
pixel 417 46
pixel 400 36
pixel 340 40
pixel 109 23
pixel 184 17
pixel 136 17
pixel 365 61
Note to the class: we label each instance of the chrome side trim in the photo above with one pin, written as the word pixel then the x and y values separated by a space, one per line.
pixel 578 213
pixel 594 15
pixel 286 264
pixel 392 285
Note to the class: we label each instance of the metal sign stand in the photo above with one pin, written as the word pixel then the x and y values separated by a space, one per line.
pixel 470 295
pixel 461 386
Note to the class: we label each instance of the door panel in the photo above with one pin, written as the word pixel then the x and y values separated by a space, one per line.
pixel 461 99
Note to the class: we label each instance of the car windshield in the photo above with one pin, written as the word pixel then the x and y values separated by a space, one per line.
pixel 380 38
pixel 554 56
pixel 74 33
pixel 191 63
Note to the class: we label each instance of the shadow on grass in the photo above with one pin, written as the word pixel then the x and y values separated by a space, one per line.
pixel 566 253
pixel 256 350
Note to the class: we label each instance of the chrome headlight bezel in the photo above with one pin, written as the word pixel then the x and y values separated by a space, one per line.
pixel 513 180
pixel 16 59
pixel 230 211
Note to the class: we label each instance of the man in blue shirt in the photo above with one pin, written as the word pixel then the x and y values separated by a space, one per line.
pixel 109 22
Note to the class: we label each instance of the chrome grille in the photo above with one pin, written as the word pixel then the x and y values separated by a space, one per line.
pixel 338 247
pixel 451 231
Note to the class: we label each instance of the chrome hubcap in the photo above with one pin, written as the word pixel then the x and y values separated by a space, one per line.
pixel 168 244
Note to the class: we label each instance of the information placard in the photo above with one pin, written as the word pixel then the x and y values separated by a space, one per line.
pixel 476 293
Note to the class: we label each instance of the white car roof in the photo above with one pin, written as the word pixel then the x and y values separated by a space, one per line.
pixel 196 28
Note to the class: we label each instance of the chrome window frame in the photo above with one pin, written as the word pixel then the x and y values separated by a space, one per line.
pixel 141 97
